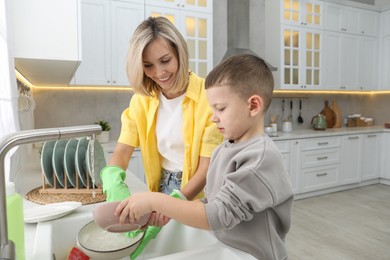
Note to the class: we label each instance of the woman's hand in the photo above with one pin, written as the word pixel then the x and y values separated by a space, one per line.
pixel 158 220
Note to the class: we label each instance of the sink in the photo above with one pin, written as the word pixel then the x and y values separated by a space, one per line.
pixel 54 239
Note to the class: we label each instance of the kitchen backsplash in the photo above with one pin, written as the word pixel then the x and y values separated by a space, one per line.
pixel 57 108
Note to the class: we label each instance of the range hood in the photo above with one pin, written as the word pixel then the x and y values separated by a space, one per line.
pixel 238 29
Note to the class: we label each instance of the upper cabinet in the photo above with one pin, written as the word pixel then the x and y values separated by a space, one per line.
pixel 350 48
pixel 191 5
pixel 194 21
pixel 46 39
pixel 303 13
pixel 107 27
pixel 296 44
pixel 341 18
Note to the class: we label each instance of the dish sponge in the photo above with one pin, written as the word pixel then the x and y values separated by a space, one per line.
pixel 77 254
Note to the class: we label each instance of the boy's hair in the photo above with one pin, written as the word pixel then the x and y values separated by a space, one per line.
pixel 148 31
pixel 246 74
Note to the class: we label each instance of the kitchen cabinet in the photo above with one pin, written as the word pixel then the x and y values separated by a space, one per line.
pixel 385 22
pixel 304 12
pixel 385 64
pixel 351 156
pixel 285 148
pixel 191 5
pixel 349 61
pixel 341 18
pixel 385 158
pixel 107 27
pixel 194 21
pixel 46 39
pixel 370 163
pixel 135 165
pixel 320 163
pixel 299 53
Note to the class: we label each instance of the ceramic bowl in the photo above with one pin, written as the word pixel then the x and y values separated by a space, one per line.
pixel 98 243
pixel 104 216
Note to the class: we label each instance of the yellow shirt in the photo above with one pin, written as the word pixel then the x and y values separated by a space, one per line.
pixel 200 135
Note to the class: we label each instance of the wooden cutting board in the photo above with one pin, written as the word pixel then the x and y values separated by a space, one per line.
pixel 329 114
pixel 338 120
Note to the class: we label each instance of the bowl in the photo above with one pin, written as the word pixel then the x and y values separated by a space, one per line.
pixel 98 243
pixel 104 216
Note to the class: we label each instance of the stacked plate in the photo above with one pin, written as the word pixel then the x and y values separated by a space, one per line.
pixel 72 163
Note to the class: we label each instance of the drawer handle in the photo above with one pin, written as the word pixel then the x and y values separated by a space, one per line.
pixel 353 137
pixel 322 174
pixel 323 143
pixel 322 158
pixel 371 135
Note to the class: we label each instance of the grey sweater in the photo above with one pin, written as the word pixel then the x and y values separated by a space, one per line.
pixel 249 197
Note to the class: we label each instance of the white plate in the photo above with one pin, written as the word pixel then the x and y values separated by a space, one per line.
pixel 99 161
pixel 49 211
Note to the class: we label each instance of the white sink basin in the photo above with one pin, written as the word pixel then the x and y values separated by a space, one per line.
pixel 175 241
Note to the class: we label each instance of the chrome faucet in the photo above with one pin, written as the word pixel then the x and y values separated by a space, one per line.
pixel 7 247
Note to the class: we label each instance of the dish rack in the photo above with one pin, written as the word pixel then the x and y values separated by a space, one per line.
pixel 72 167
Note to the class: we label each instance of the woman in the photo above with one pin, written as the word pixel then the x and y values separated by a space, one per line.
pixel 168 117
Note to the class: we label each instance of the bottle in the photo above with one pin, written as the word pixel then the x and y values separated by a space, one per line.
pixel 15 222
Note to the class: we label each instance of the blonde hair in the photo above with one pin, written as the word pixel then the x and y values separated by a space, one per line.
pixel 148 31
pixel 246 74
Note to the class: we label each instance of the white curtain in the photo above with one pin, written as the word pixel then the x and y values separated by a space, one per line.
pixel 8 89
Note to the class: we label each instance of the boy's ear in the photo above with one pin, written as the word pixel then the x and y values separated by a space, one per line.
pixel 256 104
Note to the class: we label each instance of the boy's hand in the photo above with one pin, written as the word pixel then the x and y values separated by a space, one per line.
pixel 135 206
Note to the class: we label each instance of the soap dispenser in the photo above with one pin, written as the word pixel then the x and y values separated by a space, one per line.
pixel 15 219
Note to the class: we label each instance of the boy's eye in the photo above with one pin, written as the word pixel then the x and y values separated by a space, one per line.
pixel 220 109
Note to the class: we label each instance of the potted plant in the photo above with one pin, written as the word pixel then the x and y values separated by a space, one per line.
pixel 104 136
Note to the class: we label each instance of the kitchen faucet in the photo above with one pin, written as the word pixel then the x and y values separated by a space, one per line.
pixel 7 247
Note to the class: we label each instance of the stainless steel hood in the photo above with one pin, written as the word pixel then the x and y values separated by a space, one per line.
pixel 238 29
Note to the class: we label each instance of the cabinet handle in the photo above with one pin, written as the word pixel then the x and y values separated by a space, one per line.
pixel 322 174
pixel 353 137
pixel 343 87
pixel 371 135
pixel 322 158
pixel 323 143
pixel 108 81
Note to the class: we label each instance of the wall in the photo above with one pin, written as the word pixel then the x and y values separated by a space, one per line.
pixel 57 108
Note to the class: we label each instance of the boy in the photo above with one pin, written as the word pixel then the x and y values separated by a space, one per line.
pixel 248 194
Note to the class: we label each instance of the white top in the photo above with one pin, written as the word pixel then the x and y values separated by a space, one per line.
pixel 169 133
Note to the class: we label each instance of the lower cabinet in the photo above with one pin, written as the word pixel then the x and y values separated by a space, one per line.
pixel 385 157
pixel 370 159
pixel 350 159
pixel 320 163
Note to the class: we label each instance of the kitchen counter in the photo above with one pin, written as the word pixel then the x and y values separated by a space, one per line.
pixel 309 133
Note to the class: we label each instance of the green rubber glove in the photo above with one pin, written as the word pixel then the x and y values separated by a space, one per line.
pixel 115 189
pixel 113 185
pixel 152 231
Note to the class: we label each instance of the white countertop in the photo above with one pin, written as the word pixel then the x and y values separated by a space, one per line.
pixel 309 133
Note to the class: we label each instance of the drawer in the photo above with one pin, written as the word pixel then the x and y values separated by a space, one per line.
pixel 283 146
pixel 320 177
pixel 320 143
pixel 321 157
